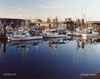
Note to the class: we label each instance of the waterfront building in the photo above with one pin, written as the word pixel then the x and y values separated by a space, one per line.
pixel 44 24
pixel 36 21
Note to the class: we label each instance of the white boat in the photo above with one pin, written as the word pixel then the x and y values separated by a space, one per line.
pixel 78 32
pixel 92 34
pixel 23 35
pixel 69 33
pixel 52 33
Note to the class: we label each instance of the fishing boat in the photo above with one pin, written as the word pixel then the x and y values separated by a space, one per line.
pixel 77 32
pixel 53 33
pixel 92 33
pixel 70 33
pixel 24 35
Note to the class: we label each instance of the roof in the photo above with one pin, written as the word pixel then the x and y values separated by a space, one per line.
pixel 44 23
pixel 94 22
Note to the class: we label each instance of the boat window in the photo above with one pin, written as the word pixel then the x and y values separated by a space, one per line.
pixel 94 30
pixel 17 33
pixel 23 33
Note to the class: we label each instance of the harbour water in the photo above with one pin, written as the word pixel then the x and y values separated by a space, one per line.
pixel 71 58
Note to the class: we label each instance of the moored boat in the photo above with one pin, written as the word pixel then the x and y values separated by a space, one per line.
pixel 69 33
pixel 77 32
pixel 53 33
pixel 90 34
pixel 24 35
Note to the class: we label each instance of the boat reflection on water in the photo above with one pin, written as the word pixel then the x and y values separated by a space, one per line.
pixel 2 47
pixel 25 43
pixel 53 43
pixel 24 46
pixel 84 44
pixel 70 54
pixel 58 40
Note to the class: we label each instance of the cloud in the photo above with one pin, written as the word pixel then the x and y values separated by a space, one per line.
pixel 20 16
pixel 51 6
pixel 18 9
pixel 47 15
pixel 44 14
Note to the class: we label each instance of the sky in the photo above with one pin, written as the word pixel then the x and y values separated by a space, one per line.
pixel 35 9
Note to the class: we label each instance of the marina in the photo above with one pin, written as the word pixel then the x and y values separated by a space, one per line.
pixel 50 51
pixel 29 31
pixel 49 39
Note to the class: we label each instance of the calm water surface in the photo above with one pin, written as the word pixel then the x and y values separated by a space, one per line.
pixel 50 58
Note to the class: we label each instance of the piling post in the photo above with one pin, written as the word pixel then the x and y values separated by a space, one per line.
pixel 49 25
pixel 4 30
pixel 4 46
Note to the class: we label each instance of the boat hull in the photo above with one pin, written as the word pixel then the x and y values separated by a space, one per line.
pixel 70 35
pixel 26 38
pixel 54 36
pixel 89 35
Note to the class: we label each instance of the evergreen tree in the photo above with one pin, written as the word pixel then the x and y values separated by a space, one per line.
pixel 48 20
